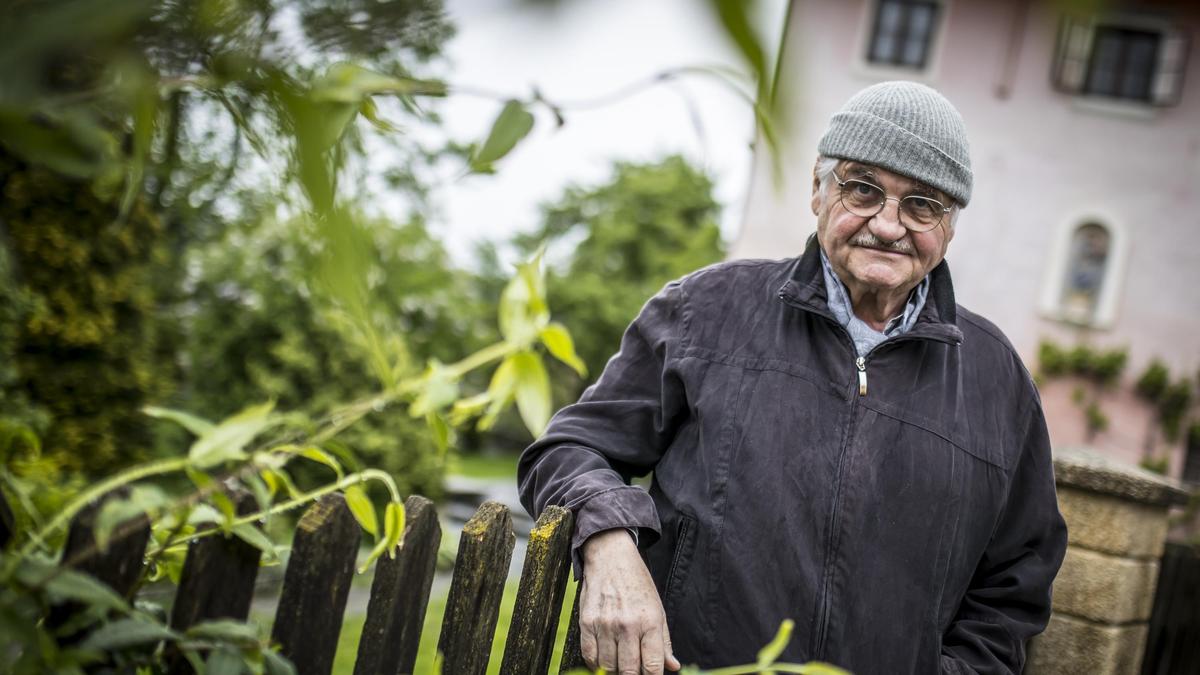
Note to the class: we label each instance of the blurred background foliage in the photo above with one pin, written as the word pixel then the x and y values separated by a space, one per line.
pixel 151 253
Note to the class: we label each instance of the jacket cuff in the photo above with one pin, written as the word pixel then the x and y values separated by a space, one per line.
pixel 627 506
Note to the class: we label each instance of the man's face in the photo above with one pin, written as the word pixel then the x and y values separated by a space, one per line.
pixel 878 254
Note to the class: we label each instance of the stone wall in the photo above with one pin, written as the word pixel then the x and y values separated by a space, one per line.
pixel 1103 596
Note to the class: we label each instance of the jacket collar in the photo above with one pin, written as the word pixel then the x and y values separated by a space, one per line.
pixel 805 289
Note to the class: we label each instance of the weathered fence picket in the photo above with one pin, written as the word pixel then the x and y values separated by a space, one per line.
pixel 400 595
pixel 531 633
pixel 316 585
pixel 219 575
pixel 572 654
pixel 484 552
pixel 217 582
pixel 119 564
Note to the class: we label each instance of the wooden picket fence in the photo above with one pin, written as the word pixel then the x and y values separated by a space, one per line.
pixel 219 574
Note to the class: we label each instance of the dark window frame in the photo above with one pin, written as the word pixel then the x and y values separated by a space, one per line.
pixel 902 36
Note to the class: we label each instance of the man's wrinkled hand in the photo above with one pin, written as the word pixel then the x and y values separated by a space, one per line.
pixel 622 627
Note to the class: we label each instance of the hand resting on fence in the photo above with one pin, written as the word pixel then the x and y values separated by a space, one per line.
pixel 622 626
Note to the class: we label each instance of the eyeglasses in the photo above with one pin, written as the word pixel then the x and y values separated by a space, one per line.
pixel 917 213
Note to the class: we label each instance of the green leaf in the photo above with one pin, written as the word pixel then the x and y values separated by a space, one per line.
pixel 465 409
pixel 225 505
pixel 559 343
pixel 735 17
pixel 203 513
pixel 511 125
pixel 226 630
pixel 68 584
pixel 252 535
pixel 439 430
pixel 523 309
pixel 125 633
pixel 362 508
pixel 500 392
pixel 278 477
pixel 369 111
pixel 197 425
pixel 439 389
pixel 768 654
pixel 75 145
pixel 262 494
pixel 276 664
pixel 318 455
pixel 142 499
pixel 351 83
pixel 224 660
pixel 822 668
pixel 344 455
pixel 393 531
pixel 532 391
pixel 201 480
pixel 227 440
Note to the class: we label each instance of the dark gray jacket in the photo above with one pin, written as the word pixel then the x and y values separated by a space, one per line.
pixel 910 529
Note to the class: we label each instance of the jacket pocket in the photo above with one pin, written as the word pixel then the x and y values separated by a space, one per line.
pixel 681 560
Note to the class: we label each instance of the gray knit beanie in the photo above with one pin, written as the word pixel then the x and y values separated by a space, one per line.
pixel 904 127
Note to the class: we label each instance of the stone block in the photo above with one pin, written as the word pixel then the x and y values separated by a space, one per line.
pixel 1089 470
pixel 1073 646
pixel 1112 524
pixel 1105 588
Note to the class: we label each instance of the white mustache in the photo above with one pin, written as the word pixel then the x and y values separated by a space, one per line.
pixel 869 240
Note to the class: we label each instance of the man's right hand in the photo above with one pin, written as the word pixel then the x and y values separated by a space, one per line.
pixel 622 627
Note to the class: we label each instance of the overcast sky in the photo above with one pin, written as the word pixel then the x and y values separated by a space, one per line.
pixel 582 50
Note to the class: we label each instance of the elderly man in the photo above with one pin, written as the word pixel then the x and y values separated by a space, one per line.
pixel 833 440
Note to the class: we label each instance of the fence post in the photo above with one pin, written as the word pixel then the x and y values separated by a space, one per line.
pixel 316 584
pixel 217 582
pixel 119 565
pixel 400 595
pixel 540 596
pixel 484 552
pixel 1173 645
pixel 572 654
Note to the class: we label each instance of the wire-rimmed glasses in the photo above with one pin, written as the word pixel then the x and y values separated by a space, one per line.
pixel 917 212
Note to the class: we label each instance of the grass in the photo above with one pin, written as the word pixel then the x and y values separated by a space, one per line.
pixel 477 465
pixel 353 625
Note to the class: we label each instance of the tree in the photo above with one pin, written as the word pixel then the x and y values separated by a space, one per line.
pixel 124 135
pixel 649 224
pixel 258 330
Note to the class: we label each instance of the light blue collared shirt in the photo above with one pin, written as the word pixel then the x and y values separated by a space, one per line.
pixel 866 338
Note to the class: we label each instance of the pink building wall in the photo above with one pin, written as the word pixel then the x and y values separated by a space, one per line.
pixel 1044 162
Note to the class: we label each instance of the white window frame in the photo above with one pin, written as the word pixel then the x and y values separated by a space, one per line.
pixel 875 71
pixel 1060 257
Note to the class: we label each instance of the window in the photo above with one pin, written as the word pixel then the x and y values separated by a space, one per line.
pixel 902 34
pixel 1086 270
pixel 1131 59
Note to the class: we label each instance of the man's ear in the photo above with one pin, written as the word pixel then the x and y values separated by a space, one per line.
pixel 816 193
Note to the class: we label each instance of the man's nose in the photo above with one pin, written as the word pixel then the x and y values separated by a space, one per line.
pixel 886 224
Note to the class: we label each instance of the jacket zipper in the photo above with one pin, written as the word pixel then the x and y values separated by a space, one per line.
pixel 860 364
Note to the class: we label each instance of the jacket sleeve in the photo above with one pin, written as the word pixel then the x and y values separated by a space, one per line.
pixel 1008 600
pixel 618 429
